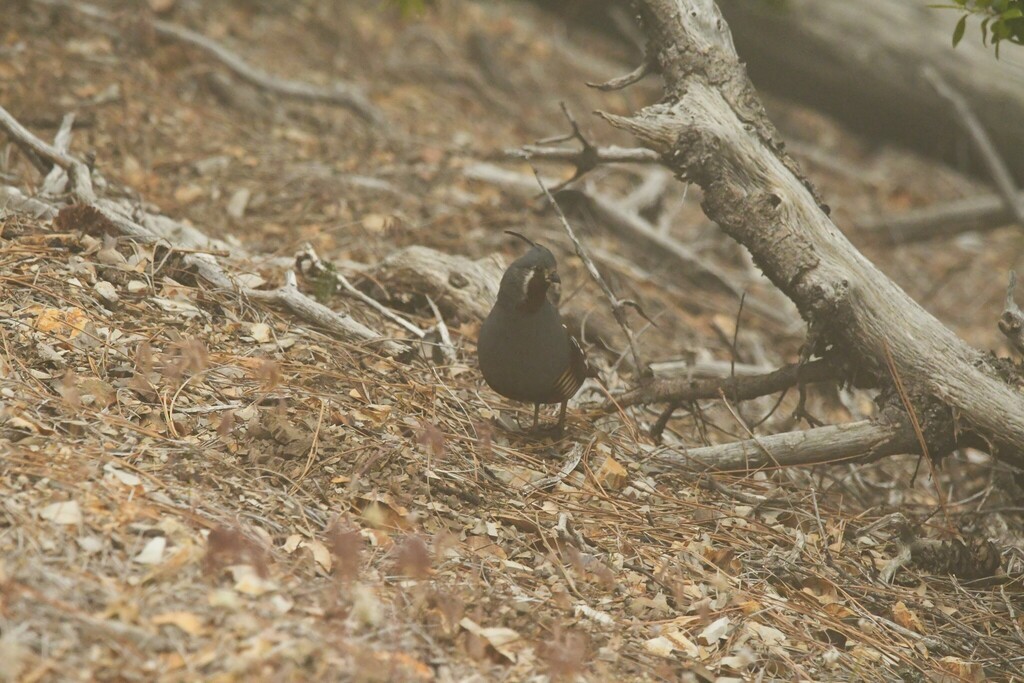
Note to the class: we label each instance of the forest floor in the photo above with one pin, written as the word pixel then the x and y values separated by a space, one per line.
pixel 195 485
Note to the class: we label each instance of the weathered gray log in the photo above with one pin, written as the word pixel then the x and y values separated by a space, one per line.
pixel 711 128
pixel 862 441
pixel 861 62
pixel 461 287
pixel 985 212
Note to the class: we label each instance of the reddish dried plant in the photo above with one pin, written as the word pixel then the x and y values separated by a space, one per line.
pixel 226 546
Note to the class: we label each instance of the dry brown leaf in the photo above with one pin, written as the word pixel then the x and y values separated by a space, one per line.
pixel 504 641
pixel 955 670
pixel 906 618
pixel 321 554
pixel 65 324
pixel 188 622
pixel 611 475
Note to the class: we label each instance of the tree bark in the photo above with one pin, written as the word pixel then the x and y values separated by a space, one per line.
pixel 711 128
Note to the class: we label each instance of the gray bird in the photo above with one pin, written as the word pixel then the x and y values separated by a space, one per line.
pixel 525 352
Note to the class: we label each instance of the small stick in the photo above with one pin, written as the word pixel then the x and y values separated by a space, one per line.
pixel 996 167
pixel 307 253
pixel 618 305
pixel 635 76
pixel 447 348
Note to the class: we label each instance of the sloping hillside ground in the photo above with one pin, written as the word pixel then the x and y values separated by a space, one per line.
pixel 197 485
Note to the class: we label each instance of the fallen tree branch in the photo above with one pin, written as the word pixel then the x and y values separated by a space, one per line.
pixel 57 178
pixel 863 441
pixel 78 173
pixel 993 162
pixel 341 94
pixel 156 229
pixel 711 128
pixel 986 212
pixel 706 369
pixel 461 287
pixel 597 155
pixel 309 262
pixel 697 269
pixel 587 158
pixel 737 388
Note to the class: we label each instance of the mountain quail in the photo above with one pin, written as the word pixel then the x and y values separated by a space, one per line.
pixel 525 351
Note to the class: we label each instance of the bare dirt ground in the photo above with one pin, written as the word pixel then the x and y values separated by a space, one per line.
pixel 195 485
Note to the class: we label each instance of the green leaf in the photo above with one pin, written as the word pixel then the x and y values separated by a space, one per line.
pixel 958 32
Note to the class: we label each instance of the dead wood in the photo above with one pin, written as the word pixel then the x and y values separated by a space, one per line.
pixel 154 228
pixel 712 129
pixel 986 212
pixel 737 388
pixel 862 441
pixel 974 128
pixel 1011 322
pixel 461 287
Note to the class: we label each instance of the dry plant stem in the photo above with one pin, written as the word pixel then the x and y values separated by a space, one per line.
pixel 862 441
pixel 985 212
pixel 1011 322
pixel 341 94
pixel 711 128
pixel 618 305
pixel 1001 175
pixel 735 388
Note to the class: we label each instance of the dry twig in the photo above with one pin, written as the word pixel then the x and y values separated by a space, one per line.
pixel 1001 175
pixel 618 305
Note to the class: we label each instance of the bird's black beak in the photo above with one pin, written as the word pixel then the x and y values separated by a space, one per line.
pixel 553 278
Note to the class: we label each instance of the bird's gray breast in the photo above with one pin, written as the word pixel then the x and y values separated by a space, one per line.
pixel 522 354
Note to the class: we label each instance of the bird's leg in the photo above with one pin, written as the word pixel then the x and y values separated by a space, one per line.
pixel 561 417
pixel 536 415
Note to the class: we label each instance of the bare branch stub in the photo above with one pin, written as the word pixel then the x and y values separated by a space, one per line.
pixel 587 158
pixel 618 305
pixel 635 76
pixel 1011 322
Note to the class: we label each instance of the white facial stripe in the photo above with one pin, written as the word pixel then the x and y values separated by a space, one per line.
pixel 530 274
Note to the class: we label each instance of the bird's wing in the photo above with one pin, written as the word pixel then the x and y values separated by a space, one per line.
pixel 571 379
